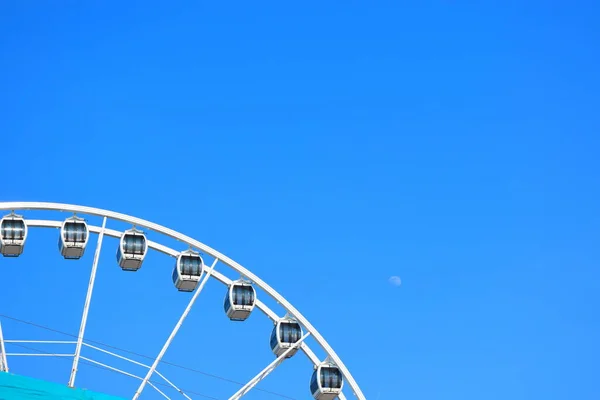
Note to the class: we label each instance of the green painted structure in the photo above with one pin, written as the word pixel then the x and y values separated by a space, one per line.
pixel 13 387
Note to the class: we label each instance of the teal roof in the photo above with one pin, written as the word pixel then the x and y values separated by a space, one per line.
pixel 24 388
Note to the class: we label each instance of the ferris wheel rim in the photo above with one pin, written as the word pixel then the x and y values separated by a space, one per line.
pixel 139 222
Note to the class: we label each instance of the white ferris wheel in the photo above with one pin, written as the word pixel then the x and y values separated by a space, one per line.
pixel 190 274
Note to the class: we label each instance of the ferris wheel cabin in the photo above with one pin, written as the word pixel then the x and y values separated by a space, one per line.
pixel 13 232
pixel 285 334
pixel 239 300
pixel 187 271
pixel 73 238
pixel 132 250
pixel 326 382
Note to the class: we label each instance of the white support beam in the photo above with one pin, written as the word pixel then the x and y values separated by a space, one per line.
pixel 39 355
pixel 3 361
pixel 110 353
pixel 42 341
pixel 110 368
pixel 86 307
pixel 265 372
pixel 174 332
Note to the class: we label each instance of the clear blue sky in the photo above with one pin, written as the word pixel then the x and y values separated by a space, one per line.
pixel 327 147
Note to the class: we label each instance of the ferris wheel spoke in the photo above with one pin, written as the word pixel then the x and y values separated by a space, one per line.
pixel 269 368
pixel 3 361
pixel 174 332
pixel 86 306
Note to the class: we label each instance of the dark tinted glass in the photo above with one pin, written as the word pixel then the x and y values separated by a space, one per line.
pixel 75 232
pixel 190 265
pixel 289 332
pixel 331 378
pixel 134 244
pixel 242 295
pixel 13 229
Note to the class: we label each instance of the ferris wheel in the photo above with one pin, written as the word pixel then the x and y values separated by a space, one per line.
pixel 190 274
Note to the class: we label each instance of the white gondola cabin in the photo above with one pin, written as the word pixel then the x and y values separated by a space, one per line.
pixel 13 232
pixel 73 238
pixel 326 382
pixel 285 334
pixel 239 300
pixel 188 271
pixel 132 250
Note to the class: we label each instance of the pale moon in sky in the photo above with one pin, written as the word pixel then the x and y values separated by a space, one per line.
pixel 395 280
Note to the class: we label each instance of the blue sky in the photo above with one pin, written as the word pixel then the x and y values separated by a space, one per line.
pixel 326 147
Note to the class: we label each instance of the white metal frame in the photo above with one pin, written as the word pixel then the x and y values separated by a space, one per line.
pixel 86 307
pixel 291 310
pixel 3 361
